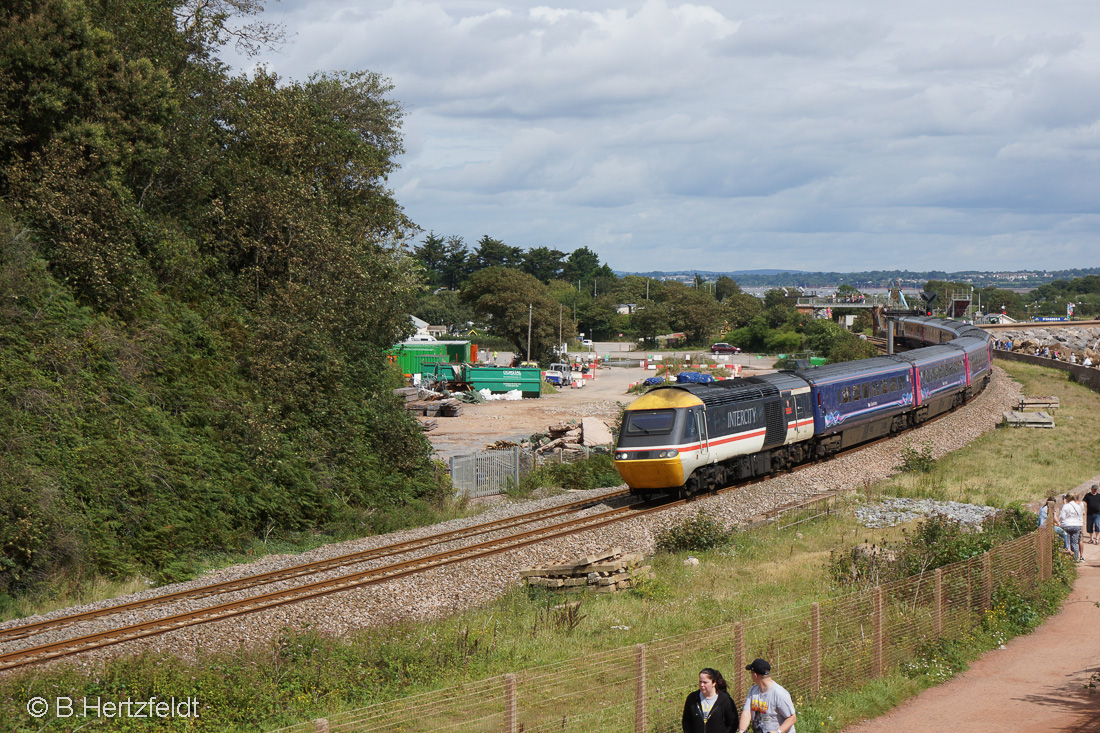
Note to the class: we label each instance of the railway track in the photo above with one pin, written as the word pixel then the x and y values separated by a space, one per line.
pixel 76 645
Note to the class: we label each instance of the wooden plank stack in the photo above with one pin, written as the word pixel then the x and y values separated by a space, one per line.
pixel 1028 419
pixel 604 572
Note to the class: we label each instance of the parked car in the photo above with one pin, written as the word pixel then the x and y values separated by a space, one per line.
pixel 587 343
pixel 724 348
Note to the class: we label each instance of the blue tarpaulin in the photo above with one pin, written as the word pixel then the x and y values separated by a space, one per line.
pixel 654 380
pixel 693 378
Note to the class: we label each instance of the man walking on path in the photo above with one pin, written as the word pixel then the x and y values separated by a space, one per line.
pixel 1036 682
pixel 1092 518
pixel 768 707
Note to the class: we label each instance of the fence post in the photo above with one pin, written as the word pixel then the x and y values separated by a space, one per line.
pixel 639 689
pixel 878 612
pixel 1048 556
pixel 937 610
pixel 815 648
pixel 320 725
pixel 510 717
pixel 739 659
pixel 515 459
pixel 1042 566
pixel 987 581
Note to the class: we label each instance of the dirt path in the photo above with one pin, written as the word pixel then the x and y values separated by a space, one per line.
pixel 1034 683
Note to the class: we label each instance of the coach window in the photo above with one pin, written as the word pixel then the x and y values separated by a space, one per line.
pixel 874 388
pixel 866 391
pixel 845 396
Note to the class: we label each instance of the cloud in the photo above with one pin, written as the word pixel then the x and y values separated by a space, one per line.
pixel 662 133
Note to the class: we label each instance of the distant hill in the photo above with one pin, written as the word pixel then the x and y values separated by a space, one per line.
pixel 1025 279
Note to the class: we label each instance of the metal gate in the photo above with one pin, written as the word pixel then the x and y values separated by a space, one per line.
pixel 486 473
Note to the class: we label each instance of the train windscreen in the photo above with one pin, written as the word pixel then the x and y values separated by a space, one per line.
pixel 649 422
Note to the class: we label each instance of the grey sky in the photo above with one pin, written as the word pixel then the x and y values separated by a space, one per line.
pixel 717 135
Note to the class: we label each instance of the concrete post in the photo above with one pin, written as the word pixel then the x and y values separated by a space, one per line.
pixel 937 610
pixel 815 648
pixel 511 717
pixel 739 660
pixel 879 611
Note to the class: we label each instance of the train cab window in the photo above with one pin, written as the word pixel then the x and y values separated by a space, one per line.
pixel 691 429
pixel 649 422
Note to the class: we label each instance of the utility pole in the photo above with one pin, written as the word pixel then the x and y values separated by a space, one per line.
pixel 559 326
pixel 529 307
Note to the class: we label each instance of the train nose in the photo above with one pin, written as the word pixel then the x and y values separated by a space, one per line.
pixel 655 473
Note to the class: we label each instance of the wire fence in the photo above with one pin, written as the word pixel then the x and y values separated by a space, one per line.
pixel 493 472
pixel 815 649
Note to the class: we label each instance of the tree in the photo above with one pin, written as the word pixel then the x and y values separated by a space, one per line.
pixel 495 253
pixel 543 263
pixel 581 266
pixel 503 295
pixel 694 312
pixel 725 287
pixel 432 254
pixel 456 263
pixel 649 320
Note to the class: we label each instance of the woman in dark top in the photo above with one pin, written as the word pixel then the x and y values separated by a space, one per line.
pixel 711 709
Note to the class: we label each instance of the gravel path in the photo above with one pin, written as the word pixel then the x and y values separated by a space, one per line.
pixel 445 591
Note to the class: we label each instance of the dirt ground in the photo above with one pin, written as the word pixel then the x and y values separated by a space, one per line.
pixel 481 424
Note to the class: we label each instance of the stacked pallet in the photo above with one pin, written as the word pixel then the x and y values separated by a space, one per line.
pixel 427 403
pixel 1041 419
pixel 605 572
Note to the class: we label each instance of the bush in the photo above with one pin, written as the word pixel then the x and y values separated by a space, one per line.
pixel 595 472
pixel 914 461
pixel 693 534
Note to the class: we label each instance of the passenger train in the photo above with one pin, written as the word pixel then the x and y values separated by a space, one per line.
pixel 689 438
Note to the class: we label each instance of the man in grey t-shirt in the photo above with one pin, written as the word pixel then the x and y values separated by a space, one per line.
pixel 768 707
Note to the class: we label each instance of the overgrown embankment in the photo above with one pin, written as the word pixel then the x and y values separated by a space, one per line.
pixel 198 276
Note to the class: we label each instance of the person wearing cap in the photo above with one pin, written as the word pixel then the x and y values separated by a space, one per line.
pixel 768 707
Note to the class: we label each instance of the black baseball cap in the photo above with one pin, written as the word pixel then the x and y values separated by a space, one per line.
pixel 760 666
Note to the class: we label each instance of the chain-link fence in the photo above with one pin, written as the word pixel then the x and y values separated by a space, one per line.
pixel 492 472
pixel 818 648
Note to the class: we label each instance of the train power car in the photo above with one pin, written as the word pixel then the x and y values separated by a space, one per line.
pixel 699 436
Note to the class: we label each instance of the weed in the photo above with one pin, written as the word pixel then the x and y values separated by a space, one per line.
pixel 693 534
pixel 914 461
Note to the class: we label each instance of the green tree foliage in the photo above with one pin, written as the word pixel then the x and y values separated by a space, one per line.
pixel 200 276
pixel 694 312
pixel 495 253
pixel 503 295
pixel 544 264
pixel 432 255
pixel 726 287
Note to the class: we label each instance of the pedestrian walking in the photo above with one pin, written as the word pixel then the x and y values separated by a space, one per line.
pixel 1072 518
pixel 768 707
pixel 710 709
pixel 1092 514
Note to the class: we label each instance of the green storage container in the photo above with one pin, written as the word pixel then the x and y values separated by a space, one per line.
pixel 505 379
pixel 409 355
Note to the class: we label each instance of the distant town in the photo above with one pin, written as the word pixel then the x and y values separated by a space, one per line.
pixel 1020 281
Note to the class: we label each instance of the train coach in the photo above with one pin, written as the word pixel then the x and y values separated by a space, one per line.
pixel 688 438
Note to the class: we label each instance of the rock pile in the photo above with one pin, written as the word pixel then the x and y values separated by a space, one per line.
pixel 890 512
pixel 1079 340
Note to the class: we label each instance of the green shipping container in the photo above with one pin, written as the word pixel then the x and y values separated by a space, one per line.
pixel 505 379
pixel 411 354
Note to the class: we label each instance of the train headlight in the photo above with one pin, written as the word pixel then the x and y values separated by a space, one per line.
pixel 620 456
pixel 668 454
